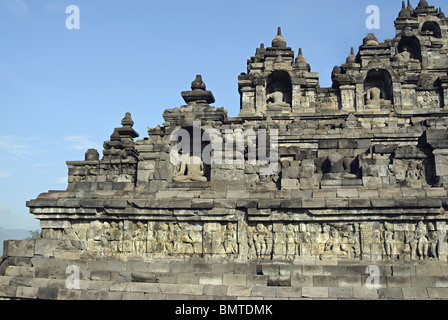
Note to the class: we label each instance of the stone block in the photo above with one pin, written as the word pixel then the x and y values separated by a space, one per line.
pixel 26 292
pixel 291 204
pixel 185 278
pixel 212 279
pixel 398 281
pixel 403 270
pixel 254 280
pixel 302 281
pixel 262 291
pixel 438 293
pixel 24 272
pixel 348 193
pixel 97 275
pixel 359 203
pixel 350 281
pixel 234 279
pixel 286 270
pixel 132 296
pixel 390 293
pixel 336 202
pixel 328 144
pixel 364 293
pixel 372 182
pixel 212 290
pixel 313 270
pixel 117 266
pixel 295 292
pixel 383 203
pixel 415 293
pixel 426 270
pixel 68 294
pixel 429 202
pixel 115 296
pixel 7 291
pixel 423 281
pixel 270 203
pixel 19 248
pixel 239 291
pixel 325 281
pixel 269 270
pixel 340 293
pixel 47 293
pixel 315 292
pixel 135 287
pixel 313 203
pixel 384 148
pixel 45 247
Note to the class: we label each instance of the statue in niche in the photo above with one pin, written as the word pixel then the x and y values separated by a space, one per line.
pixel 339 168
pixel 433 238
pixel 190 169
pixel 276 99
pixel 374 100
pixel 422 241
pixel 405 55
pixel 373 97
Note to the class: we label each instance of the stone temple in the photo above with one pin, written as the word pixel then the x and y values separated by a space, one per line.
pixel 296 197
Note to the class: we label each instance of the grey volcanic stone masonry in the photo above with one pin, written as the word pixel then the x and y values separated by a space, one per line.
pixel 160 280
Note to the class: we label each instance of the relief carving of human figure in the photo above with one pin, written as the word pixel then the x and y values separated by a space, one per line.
pixel 423 243
pixel 230 239
pixel 433 237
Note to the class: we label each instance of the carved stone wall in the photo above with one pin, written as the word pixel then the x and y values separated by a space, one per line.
pixel 355 171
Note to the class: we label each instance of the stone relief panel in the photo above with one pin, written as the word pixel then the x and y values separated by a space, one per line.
pixel 289 241
pixel 429 99
pixel 172 238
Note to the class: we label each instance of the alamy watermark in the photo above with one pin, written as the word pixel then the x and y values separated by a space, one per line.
pixel 373 280
pixel 373 20
pixel 73 21
pixel 72 282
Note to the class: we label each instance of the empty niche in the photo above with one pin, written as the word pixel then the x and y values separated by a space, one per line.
pixel 432 28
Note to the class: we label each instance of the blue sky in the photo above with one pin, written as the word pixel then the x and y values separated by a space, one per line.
pixel 63 91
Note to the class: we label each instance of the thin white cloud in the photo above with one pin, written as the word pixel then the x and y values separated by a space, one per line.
pixel 18 7
pixel 80 142
pixel 17 147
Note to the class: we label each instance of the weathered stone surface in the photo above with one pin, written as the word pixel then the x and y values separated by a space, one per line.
pixel 293 198
pixel 22 248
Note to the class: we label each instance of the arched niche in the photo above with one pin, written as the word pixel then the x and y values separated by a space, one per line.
pixel 378 88
pixel 280 81
pixel 432 28
pixel 186 155
pixel 412 45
